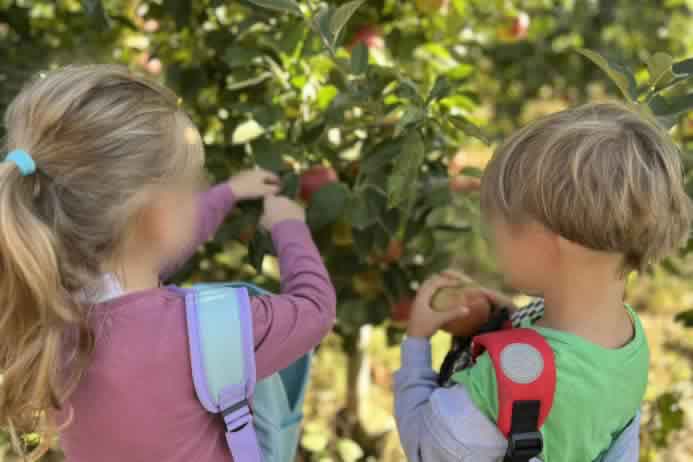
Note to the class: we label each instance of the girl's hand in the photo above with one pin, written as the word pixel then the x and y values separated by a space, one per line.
pixel 278 209
pixel 254 184
pixel 424 322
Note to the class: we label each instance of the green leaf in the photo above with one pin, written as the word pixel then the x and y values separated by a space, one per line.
pixel 618 73
pixel 342 16
pixel 236 56
pixel 365 207
pixel 181 10
pixel 291 184
pixel 440 90
pixel 312 132
pixel 406 170
pixel 326 205
pixel 322 19
pixel 412 115
pixel 95 10
pixel 438 194
pixel 683 68
pixel 408 89
pixel 685 318
pixel 285 6
pixel 380 156
pixel 260 246
pixel 672 106
pixel 469 128
pixel 268 155
pixel 359 59
pixel 659 66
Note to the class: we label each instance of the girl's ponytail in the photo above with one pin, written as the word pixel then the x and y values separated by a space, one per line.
pixel 101 140
pixel 35 310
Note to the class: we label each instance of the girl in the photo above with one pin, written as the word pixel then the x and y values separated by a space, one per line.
pixel 97 199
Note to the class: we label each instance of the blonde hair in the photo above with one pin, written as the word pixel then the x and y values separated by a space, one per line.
pixel 599 175
pixel 99 136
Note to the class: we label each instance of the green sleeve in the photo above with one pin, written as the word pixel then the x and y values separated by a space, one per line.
pixel 480 382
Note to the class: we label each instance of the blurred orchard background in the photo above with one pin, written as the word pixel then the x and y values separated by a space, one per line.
pixel 380 116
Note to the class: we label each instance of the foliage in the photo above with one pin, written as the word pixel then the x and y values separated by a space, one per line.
pixel 388 94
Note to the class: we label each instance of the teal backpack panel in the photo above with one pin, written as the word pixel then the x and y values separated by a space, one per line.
pixel 223 360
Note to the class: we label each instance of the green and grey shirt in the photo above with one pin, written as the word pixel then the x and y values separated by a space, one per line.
pixel 598 394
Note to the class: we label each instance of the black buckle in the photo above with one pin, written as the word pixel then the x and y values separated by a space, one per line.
pixel 235 407
pixel 525 445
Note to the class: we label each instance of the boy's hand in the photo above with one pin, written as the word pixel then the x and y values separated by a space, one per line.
pixel 254 184
pixel 424 322
pixel 278 209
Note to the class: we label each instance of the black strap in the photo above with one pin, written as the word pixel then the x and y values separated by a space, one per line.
pixel 525 440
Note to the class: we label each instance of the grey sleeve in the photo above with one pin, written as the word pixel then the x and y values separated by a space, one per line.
pixel 440 424
pixel 626 448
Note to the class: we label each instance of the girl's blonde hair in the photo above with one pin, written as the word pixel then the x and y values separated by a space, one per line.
pixel 99 137
pixel 599 175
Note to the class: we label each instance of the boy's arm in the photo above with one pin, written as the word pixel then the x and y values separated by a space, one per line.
pixel 440 424
pixel 213 206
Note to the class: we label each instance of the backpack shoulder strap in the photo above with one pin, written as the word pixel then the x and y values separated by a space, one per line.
pixel 223 360
pixel 526 377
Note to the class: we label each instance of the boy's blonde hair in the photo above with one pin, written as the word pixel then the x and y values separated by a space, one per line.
pixel 99 137
pixel 599 175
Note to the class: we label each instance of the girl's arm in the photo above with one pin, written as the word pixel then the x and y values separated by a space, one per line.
pixel 213 207
pixel 216 203
pixel 289 325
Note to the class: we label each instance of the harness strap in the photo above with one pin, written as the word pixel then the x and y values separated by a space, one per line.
pixel 526 377
pixel 525 441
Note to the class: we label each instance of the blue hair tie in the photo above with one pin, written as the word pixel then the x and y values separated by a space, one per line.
pixel 23 161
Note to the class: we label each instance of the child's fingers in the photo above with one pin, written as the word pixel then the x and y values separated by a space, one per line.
pixel 455 313
pixel 272 190
pixel 457 276
pixel 266 176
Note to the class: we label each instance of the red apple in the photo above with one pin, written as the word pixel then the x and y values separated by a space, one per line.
pixel 400 312
pixel 514 28
pixel 369 36
pixel 247 234
pixel 395 249
pixel 315 178
pixel 464 184
pixel 520 26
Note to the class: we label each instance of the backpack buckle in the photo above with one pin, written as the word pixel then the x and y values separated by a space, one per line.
pixel 524 446
pixel 237 416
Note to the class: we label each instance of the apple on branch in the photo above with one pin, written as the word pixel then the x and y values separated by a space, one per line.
pixel 315 178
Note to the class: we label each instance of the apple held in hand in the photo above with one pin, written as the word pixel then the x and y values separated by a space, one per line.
pixel 315 178
pixel 474 299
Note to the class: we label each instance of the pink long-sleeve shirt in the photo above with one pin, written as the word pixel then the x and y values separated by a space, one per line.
pixel 136 401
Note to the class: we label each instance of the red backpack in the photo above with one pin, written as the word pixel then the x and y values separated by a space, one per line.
pixel 526 377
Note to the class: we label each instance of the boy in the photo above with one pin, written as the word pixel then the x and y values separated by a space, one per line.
pixel 575 201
